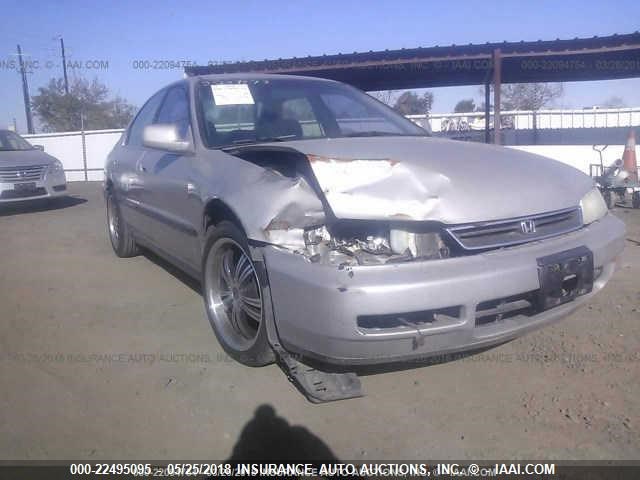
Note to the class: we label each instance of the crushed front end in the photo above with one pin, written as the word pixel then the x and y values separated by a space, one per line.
pixel 371 259
pixel 342 307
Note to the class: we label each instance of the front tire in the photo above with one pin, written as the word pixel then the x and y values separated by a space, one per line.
pixel 122 241
pixel 233 296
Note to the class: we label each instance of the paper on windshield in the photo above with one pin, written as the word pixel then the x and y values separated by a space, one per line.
pixel 232 94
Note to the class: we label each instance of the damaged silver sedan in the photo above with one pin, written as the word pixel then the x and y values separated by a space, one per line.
pixel 326 228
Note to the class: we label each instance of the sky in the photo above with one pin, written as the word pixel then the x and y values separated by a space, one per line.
pixel 119 42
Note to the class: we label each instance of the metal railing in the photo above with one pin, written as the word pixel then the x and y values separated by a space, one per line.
pixel 528 119
pixel 83 154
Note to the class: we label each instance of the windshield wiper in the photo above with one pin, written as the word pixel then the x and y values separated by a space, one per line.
pixel 373 133
pixel 249 141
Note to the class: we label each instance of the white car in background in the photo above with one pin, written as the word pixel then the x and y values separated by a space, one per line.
pixel 26 172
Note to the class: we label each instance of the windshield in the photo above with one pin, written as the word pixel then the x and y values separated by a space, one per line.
pixel 241 112
pixel 11 141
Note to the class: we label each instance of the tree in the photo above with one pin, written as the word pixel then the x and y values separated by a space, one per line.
pixel 465 106
pixel 613 102
pixel 527 96
pixel 410 103
pixel 87 105
pixel 530 96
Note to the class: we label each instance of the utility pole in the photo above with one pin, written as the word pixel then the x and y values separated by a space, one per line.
pixel 25 93
pixel 497 86
pixel 64 67
pixel 487 112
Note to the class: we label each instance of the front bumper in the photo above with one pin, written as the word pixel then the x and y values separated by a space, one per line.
pixel 316 307
pixel 48 187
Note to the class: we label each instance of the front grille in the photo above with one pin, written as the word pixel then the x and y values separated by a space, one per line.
pixel 23 194
pixel 29 173
pixel 491 311
pixel 409 320
pixel 502 233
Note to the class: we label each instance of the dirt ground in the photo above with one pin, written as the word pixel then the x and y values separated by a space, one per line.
pixel 106 358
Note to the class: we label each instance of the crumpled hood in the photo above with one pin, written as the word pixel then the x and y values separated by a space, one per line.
pixel 422 178
pixel 23 158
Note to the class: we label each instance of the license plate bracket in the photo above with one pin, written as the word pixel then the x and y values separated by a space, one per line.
pixel 25 187
pixel 564 276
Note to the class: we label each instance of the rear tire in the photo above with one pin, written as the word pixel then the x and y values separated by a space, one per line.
pixel 233 296
pixel 122 241
pixel 635 200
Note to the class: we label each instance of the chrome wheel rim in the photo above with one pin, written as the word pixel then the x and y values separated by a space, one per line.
pixel 233 295
pixel 113 220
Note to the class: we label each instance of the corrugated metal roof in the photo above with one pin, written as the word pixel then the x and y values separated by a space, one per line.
pixel 614 56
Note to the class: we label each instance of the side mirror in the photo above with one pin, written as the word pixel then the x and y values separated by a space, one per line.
pixel 164 136
pixel 39 147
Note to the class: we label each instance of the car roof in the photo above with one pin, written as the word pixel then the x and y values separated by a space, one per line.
pixel 221 77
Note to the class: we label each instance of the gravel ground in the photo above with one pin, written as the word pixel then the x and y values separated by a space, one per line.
pixel 105 358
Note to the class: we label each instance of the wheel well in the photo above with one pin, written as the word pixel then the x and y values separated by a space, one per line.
pixel 217 211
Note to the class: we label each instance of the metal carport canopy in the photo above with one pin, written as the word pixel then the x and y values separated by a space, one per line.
pixel 578 59
pixel 597 58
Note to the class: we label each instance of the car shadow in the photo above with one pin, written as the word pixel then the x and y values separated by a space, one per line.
pixel 270 438
pixel 178 274
pixel 423 362
pixel 40 205
pixel 397 366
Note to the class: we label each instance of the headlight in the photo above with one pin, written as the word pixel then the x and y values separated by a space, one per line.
pixel 420 245
pixel 373 247
pixel 55 167
pixel 593 206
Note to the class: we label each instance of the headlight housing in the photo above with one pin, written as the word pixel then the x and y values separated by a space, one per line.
pixel 55 167
pixel 593 206
pixel 373 247
pixel 420 245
